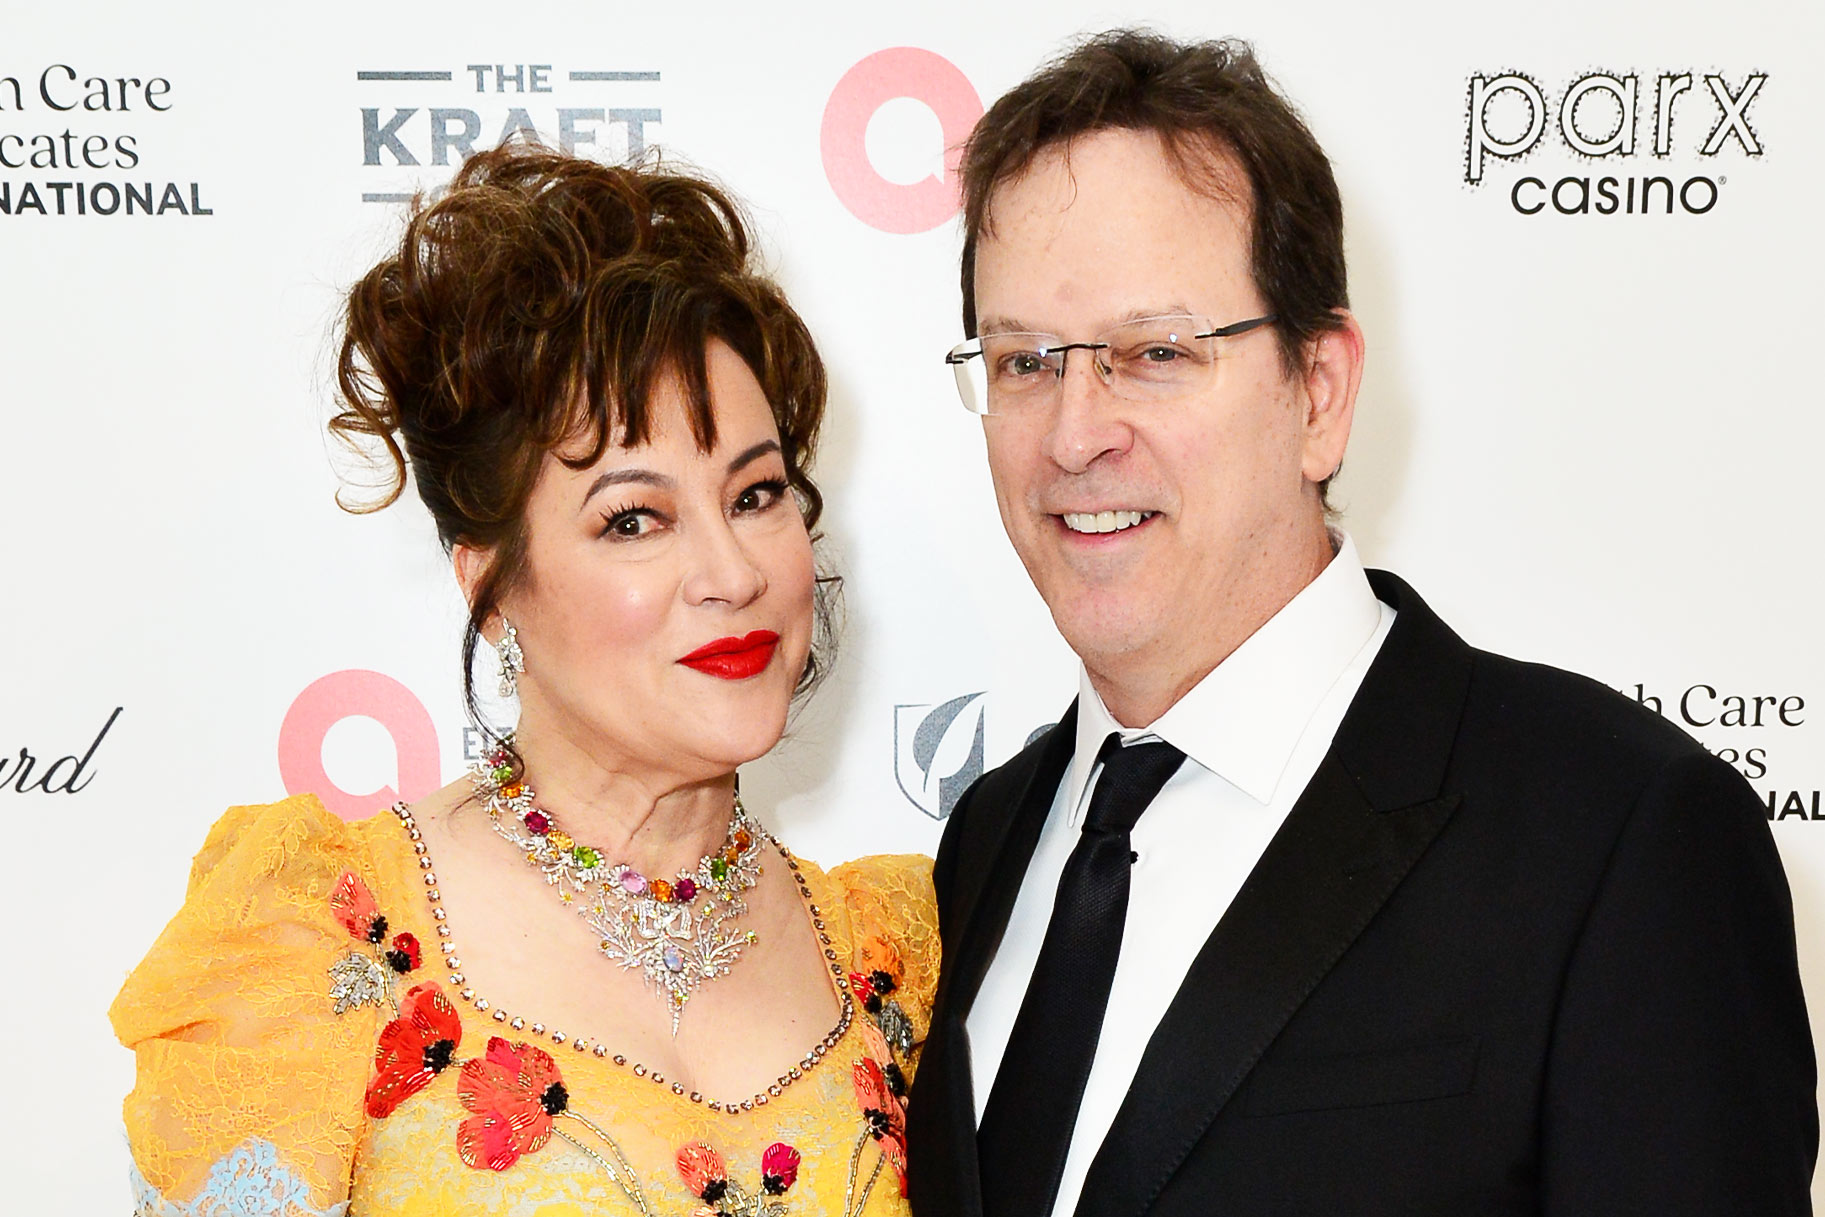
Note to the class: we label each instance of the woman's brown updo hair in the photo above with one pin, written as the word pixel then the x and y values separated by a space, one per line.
pixel 534 305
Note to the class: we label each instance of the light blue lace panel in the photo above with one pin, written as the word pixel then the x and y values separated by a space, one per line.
pixel 250 1182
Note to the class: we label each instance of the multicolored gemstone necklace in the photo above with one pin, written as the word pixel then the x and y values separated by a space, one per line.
pixel 679 932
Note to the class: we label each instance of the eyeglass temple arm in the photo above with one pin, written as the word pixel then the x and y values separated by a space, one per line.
pixel 1241 327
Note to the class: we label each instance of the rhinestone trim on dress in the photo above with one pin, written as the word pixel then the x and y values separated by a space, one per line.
pixel 459 983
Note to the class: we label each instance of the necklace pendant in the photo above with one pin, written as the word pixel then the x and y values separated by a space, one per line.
pixel 642 923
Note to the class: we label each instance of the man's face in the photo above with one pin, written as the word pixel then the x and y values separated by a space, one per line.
pixel 1224 479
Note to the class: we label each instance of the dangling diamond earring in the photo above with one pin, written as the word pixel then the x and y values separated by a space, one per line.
pixel 513 661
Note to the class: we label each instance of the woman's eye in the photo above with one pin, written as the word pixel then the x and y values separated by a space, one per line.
pixel 760 496
pixel 634 522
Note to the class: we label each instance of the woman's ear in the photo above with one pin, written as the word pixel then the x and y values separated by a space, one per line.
pixel 471 566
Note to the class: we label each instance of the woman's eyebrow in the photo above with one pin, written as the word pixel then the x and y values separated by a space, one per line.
pixel 619 477
pixel 648 477
pixel 750 455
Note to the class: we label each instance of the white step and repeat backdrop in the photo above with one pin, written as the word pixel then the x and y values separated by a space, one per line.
pixel 1585 250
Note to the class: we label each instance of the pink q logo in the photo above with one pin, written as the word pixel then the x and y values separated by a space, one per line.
pixel 351 694
pixel 901 71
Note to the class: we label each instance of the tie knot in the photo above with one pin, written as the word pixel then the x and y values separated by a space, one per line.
pixel 1131 777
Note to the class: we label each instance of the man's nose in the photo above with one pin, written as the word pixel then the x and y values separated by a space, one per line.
pixel 1088 419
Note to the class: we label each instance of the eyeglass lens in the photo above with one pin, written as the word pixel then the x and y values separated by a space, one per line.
pixel 1147 358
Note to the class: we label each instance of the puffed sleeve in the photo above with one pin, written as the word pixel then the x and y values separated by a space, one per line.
pixel 248 1096
pixel 894 925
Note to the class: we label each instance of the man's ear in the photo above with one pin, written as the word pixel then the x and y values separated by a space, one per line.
pixel 1333 373
pixel 471 566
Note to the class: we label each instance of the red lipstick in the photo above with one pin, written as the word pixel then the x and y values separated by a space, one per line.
pixel 734 658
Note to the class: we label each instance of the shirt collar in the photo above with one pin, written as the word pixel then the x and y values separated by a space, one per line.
pixel 1243 720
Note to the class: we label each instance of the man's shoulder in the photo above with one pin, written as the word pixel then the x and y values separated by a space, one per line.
pixel 1533 709
pixel 1569 749
pixel 1559 706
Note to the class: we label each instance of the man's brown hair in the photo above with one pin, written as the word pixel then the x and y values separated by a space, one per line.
pixel 1206 101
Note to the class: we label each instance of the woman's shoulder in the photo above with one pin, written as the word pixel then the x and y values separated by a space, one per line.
pixel 893 925
pixel 887 895
pixel 906 878
pixel 267 894
pixel 253 1016
pixel 295 840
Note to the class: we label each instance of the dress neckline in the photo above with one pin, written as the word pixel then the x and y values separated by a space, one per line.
pixel 482 1006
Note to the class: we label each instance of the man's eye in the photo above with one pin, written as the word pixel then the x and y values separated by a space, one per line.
pixel 1023 363
pixel 1147 353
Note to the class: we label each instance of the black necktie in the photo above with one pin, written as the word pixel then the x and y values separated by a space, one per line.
pixel 1032 1109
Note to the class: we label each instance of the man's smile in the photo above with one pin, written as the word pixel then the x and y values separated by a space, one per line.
pixel 1104 521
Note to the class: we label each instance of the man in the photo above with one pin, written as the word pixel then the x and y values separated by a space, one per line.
pixel 1405 928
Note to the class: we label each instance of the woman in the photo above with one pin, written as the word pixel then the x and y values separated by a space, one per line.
pixel 583 978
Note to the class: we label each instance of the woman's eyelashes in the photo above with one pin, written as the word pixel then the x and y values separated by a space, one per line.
pixel 638 520
pixel 629 522
pixel 761 496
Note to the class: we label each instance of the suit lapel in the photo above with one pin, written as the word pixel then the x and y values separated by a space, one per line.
pixel 1331 866
pixel 1010 837
pixel 1003 834
pixel 1370 811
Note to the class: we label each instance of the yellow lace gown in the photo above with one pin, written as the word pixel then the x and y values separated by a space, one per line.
pixel 252 1089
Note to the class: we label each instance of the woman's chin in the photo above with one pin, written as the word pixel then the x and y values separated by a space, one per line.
pixel 727 743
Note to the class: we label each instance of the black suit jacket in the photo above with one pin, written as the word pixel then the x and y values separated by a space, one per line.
pixel 1521 947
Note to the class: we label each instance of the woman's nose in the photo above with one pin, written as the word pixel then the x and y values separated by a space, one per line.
pixel 722 569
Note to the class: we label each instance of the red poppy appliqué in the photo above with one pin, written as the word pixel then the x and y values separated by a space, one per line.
pixel 884 1113
pixel 515 1092
pixel 779 1165
pixel 357 910
pixel 704 1174
pixel 413 1049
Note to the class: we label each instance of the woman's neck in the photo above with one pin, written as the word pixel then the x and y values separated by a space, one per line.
pixel 658 823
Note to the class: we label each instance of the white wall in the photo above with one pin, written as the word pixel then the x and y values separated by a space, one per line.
pixel 1588 439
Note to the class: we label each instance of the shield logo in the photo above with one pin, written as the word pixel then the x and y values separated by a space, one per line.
pixel 937 751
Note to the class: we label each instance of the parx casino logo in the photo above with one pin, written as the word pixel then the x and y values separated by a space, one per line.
pixel 937 751
pixel 1641 143
pixel 417 124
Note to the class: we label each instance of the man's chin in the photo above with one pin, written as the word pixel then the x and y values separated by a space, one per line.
pixel 1108 629
pixel 1098 573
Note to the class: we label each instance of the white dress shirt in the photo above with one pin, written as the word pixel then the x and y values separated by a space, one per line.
pixel 1253 732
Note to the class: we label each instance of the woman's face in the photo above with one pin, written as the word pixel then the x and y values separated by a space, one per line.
pixel 666 614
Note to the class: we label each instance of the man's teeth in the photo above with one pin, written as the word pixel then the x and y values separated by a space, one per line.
pixel 1103 521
